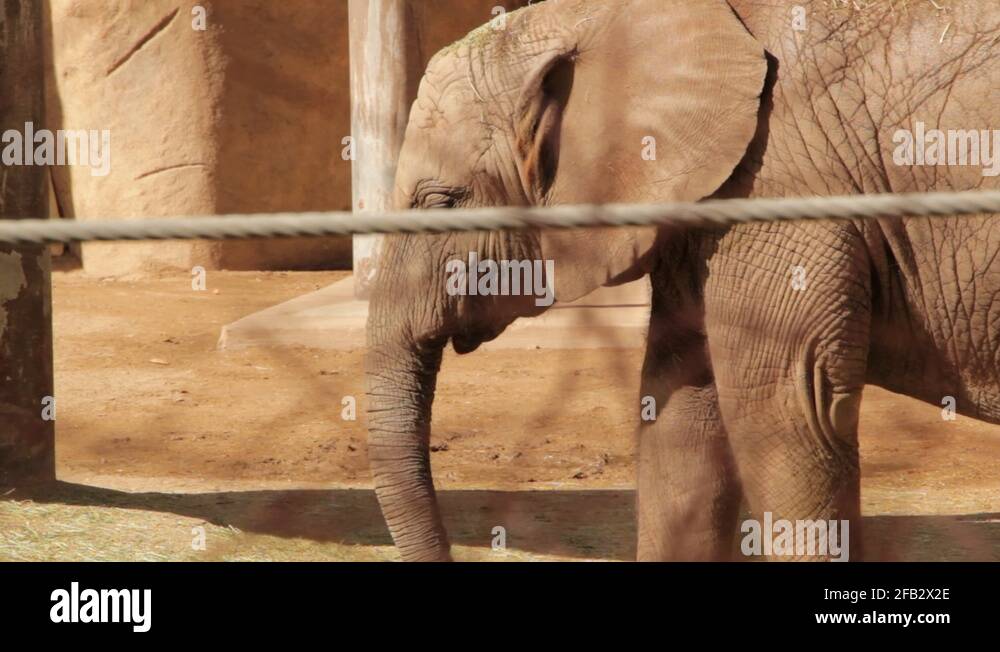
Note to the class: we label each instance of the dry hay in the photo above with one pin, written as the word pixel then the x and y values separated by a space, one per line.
pixel 81 523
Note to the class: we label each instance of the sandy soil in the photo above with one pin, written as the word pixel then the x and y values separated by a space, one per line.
pixel 159 432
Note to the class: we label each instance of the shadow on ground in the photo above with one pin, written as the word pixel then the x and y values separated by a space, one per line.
pixel 585 524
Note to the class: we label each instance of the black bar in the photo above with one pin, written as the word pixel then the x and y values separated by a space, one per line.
pixel 240 600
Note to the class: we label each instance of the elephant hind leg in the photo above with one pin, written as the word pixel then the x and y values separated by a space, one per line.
pixel 795 442
pixel 688 493
pixel 788 318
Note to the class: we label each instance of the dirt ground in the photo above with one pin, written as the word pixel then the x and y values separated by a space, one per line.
pixel 162 438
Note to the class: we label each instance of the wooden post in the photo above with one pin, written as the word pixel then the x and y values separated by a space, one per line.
pixel 384 77
pixel 27 438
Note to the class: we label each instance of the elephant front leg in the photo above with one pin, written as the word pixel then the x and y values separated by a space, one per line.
pixel 688 494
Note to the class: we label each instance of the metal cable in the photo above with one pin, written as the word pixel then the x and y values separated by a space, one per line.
pixel 704 214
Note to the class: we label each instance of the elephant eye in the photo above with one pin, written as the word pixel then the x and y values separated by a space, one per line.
pixel 438 200
pixel 439 197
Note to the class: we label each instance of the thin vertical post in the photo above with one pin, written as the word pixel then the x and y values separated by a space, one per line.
pixel 384 77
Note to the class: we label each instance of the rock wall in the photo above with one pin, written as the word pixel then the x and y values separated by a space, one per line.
pixel 247 115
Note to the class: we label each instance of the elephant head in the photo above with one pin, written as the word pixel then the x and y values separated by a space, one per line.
pixel 568 102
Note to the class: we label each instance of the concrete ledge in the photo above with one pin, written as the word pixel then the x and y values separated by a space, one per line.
pixel 332 319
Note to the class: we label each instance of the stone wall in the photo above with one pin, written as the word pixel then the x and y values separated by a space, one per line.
pixel 247 115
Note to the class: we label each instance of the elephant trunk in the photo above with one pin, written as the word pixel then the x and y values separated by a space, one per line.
pixel 411 318
pixel 401 379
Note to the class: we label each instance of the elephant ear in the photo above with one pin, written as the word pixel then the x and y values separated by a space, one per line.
pixel 632 102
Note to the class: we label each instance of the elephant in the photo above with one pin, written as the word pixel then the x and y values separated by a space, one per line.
pixel 762 335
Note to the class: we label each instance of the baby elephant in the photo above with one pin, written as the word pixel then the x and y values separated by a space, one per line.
pixel 762 336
